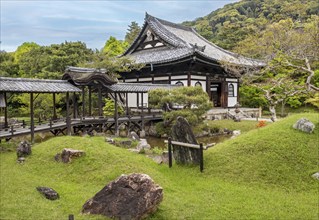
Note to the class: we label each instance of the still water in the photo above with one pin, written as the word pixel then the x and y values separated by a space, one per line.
pixel 159 142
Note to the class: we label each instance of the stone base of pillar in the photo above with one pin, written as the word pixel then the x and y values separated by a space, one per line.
pixel 142 134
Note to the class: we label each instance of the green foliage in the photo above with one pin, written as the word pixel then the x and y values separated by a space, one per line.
pixel 24 48
pixel 8 67
pixel 19 105
pixel 132 32
pixel 250 177
pixel 251 96
pixel 193 100
pixel 114 47
pixel 314 100
pixel 51 61
pixel 237 21
pixel 109 108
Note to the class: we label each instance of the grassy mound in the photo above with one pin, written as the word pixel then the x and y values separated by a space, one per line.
pixel 275 155
pixel 255 176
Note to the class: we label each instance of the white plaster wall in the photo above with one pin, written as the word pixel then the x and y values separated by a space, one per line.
pixel 173 82
pixel 132 97
pixel 193 82
pixel 233 100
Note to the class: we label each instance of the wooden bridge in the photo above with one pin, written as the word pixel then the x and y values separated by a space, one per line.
pixel 87 124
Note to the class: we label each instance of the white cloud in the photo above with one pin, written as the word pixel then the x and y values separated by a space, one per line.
pixel 47 22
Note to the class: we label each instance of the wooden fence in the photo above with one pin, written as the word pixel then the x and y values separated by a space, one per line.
pixel 200 147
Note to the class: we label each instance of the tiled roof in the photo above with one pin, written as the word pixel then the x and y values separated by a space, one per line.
pixel 138 87
pixel 181 42
pixel 36 85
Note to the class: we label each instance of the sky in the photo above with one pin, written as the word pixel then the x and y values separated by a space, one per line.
pixel 92 22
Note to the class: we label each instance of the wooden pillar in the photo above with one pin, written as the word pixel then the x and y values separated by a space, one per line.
pixel 74 105
pixel 116 115
pixel 142 111
pixel 169 78
pixel 32 117
pixel 208 87
pixel 90 101
pixel 54 108
pixel 100 100
pixel 68 119
pixel 126 103
pixel 201 158
pixel 152 78
pixel 189 79
pixel 142 133
pixel 5 110
pixel 83 101
pixel 170 157
pixel 137 94
pixel 238 97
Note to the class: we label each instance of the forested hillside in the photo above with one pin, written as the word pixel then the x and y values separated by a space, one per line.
pixel 234 22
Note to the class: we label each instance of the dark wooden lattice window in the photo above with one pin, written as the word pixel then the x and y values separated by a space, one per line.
pixel 231 92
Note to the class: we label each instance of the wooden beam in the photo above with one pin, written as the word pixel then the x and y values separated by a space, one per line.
pixel 32 117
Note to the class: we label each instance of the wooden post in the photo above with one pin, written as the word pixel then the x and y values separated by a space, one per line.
pixel 68 119
pixel 83 101
pixel 5 111
pixel 74 106
pixel 100 100
pixel 126 103
pixel 142 112
pixel 90 101
pixel 116 115
pixel 32 117
pixel 169 152
pixel 201 162
pixel 189 78
pixel 54 108
pixel 71 217
pixel 169 78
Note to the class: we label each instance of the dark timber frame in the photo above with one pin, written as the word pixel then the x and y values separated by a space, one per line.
pixel 36 86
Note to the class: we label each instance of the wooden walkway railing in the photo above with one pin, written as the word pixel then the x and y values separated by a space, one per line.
pixel 60 126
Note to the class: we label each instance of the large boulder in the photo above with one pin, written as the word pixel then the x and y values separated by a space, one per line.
pixel 304 125
pixel 182 132
pixel 68 154
pixel 49 193
pixel 133 196
pixel 24 149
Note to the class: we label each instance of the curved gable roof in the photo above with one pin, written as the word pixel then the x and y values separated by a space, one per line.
pixel 87 76
pixel 181 41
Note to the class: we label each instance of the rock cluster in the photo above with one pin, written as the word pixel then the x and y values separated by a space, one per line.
pixel 49 193
pixel 24 149
pixel 68 154
pixel 304 125
pixel 133 196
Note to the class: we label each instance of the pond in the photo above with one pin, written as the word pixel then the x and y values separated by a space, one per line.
pixel 159 142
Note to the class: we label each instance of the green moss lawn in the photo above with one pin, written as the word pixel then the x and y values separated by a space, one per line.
pixel 263 174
